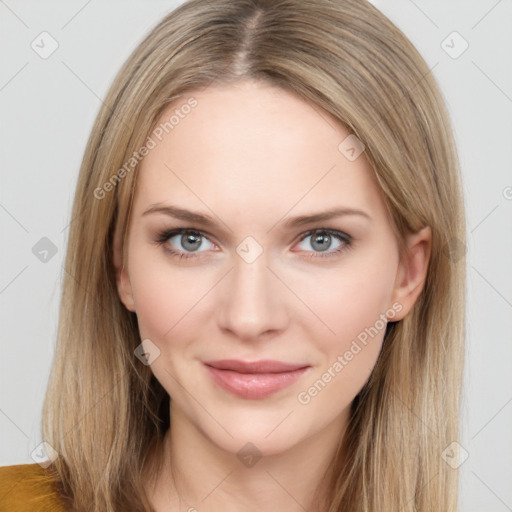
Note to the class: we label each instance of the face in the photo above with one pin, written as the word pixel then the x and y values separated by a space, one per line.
pixel 254 282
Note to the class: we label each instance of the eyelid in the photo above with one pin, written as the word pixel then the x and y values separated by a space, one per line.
pixel 330 231
pixel 166 234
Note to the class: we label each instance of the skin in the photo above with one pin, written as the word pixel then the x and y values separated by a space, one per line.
pixel 252 155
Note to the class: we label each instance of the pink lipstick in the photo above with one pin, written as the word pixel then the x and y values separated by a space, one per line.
pixel 254 380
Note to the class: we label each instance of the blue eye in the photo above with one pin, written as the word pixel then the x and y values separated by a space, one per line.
pixel 192 240
pixel 322 240
pixel 189 239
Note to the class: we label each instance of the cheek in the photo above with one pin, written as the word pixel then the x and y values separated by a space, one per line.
pixel 167 298
pixel 350 305
pixel 354 309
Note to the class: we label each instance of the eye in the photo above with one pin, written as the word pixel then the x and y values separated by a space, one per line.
pixel 188 241
pixel 184 243
pixel 322 239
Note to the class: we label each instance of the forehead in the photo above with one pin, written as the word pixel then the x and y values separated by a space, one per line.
pixel 252 149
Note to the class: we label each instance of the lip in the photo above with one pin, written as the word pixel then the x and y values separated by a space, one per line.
pixel 254 379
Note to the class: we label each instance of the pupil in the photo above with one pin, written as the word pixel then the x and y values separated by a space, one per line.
pixel 325 238
pixel 193 240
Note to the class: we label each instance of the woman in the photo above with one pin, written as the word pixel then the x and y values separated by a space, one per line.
pixel 262 309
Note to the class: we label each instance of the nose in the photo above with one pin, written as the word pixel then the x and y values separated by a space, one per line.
pixel 252 302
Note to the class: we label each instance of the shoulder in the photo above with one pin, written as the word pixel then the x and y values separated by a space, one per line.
pixel 28 487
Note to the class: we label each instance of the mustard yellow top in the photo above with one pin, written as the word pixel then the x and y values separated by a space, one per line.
pixel 28 488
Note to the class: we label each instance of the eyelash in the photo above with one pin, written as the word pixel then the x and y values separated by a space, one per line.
pixel 346 239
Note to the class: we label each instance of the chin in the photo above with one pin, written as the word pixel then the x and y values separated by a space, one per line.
pixel 255 444
pixel 261 434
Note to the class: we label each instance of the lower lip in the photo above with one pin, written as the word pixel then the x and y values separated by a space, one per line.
pixel 254 385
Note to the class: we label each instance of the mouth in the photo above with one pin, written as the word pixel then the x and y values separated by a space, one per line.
pixel 254 380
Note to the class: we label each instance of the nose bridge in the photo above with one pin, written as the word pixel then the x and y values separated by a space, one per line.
pixel 252 303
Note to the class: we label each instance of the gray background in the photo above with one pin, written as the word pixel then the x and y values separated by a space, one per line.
pixel 47 110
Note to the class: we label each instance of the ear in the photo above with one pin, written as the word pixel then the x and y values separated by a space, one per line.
pixel 412 271
pixel 124 287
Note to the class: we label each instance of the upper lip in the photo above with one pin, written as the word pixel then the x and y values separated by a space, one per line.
pixel 262 366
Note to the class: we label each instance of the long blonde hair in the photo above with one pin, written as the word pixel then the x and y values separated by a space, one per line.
pixel 104 411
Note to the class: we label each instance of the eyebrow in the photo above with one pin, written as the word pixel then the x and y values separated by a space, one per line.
pixel 292 222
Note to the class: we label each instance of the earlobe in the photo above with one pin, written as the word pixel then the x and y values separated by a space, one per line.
pixel 412 271
pixel 124 288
